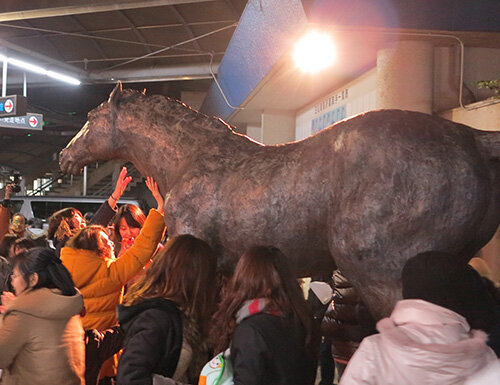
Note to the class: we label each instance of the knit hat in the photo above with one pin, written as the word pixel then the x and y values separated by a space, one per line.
pixel 446 280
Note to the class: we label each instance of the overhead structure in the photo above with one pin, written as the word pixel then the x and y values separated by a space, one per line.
pixel 172 47
pixel 258 75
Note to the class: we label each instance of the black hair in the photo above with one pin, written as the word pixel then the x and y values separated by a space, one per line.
pixel 51 272
pixel 23 244
pixel 6 243
pixel 445 280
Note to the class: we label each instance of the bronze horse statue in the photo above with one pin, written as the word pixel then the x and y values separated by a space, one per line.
pixel 365 194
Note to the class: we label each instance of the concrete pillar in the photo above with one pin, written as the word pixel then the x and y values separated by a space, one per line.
pixel 255 132
pixel 277 127
pixel 405 76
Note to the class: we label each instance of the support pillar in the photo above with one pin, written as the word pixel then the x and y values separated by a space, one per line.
pixel 405 76
pixel 277 127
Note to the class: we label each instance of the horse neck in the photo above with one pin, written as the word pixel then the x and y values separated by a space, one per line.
pixel 162 152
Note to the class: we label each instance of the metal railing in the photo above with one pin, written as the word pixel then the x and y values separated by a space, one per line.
pixel 44 187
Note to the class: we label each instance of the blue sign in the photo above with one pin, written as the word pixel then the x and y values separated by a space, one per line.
pixel 13 105
pixel 325 120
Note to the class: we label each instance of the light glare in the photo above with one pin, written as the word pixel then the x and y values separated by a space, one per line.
pixel 40 70
pixel 314 51
pixel 27 66
pixel 64 78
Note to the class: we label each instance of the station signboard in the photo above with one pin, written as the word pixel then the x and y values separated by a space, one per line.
pixel 13 105
pixel 27 122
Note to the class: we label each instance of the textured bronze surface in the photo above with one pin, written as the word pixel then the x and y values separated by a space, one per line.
pixel 368 193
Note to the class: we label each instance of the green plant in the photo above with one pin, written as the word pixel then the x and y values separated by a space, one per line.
pixel 493 85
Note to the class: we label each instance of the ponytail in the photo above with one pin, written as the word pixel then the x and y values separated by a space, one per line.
pixel 51 272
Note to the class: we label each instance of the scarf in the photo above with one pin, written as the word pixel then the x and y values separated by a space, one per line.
pixel 256 306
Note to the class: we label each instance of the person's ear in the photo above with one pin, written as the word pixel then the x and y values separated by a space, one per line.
pixel 33 279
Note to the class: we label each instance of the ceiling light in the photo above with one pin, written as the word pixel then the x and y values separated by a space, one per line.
pixel 64 78
pixel 40 70
pixel 314 51
pixel 27 66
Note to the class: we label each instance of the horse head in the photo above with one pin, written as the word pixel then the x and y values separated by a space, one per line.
pixel 97 140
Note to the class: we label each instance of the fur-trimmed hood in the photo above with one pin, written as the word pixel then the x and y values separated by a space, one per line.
pixel 422 334
pixel 46 303
pixel 421 343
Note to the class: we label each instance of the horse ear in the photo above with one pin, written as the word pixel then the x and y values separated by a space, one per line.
pixel 144 91
pixel 114 95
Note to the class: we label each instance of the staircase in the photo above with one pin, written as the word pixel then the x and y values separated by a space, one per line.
pixel 101 179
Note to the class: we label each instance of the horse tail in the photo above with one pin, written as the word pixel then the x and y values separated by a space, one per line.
pixel 489 142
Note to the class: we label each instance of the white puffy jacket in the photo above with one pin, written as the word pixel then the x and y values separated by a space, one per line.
pixel 421 343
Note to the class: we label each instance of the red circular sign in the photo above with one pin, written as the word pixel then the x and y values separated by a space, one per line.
pixel 8 106
pixel 33 121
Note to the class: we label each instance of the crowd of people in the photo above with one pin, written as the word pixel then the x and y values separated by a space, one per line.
pixel 106 302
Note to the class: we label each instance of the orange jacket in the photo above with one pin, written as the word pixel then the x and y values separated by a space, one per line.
pixel 101 280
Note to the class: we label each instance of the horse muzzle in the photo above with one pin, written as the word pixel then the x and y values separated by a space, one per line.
pixel 68 163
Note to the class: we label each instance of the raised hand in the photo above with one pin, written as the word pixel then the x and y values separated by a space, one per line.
pixel 8 191
pixel 6 297
pixel 153 187
pixel 121 184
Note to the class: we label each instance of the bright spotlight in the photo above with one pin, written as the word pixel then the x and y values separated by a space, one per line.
pixel 314 52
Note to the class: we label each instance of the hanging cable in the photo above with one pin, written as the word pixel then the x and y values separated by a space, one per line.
pixel 169 47
pixel 218 85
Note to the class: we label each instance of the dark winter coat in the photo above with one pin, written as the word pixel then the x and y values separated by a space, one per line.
pixel 100 346
pixel 268 349
pixel 153 340
pixel 347 320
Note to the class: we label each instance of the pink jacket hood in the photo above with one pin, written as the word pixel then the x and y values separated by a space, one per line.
pixel 421 343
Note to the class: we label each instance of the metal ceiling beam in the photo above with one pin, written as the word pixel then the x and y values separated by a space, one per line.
pixel 186 26
pixel 139 35
pixel 83 7
pixel 46 39
pixel 42 58
pixel 121 29
pixel 168 48
pixel 94 43
pixel 154 73
pixel 221 53
pixel 144 74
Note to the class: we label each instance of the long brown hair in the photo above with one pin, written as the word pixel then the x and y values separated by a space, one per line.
pixel 183 272
pixel 90 238
pixel 64 217
pixel 262 272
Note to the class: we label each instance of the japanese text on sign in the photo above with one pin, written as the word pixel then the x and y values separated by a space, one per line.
pixel 331 101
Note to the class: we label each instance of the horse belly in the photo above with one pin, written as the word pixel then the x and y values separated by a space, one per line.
pixel 402 200
pixel 262 208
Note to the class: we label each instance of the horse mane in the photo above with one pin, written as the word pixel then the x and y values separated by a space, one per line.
pixel 176 110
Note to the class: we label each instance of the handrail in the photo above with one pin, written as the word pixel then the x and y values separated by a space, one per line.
pixel 47 184
pixel 108 187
